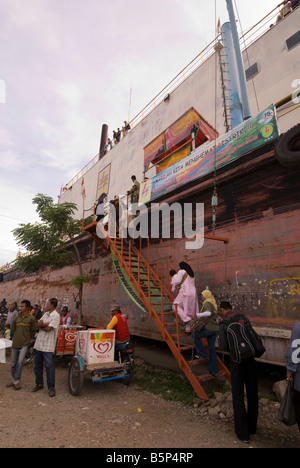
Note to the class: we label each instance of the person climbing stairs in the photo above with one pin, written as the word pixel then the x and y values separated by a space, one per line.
pixel 158 302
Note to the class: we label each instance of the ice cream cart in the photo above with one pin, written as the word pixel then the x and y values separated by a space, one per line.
pixel 99 359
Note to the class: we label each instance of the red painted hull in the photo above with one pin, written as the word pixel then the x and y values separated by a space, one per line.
pixel 258 271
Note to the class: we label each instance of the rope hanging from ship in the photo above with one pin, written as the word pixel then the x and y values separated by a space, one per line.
pixel 214 200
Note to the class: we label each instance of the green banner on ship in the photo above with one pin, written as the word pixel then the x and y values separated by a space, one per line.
pixel 127 284
pixel 252 134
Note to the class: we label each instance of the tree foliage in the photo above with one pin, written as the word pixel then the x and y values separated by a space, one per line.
pixel 52 242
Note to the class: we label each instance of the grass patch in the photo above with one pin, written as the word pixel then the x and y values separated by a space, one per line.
pixel 170 386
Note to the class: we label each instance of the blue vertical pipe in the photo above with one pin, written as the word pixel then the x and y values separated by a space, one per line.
pixel 233 85
pixel 239 61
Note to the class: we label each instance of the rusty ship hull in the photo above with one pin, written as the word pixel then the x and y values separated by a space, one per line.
pixel 258 269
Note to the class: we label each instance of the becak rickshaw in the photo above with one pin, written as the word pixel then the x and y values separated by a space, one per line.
pixel 99 359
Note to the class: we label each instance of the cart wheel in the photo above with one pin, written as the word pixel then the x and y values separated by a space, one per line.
pixel 128 380
pixel 29 355
pixel 76 377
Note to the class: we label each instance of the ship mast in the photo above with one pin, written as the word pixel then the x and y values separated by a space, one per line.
pixel 239 61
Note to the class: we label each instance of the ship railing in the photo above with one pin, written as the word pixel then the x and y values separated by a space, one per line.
pixel 260 28
pixel 246 38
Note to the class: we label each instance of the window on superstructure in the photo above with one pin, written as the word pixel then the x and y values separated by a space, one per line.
pixel 293 41
pixel 252 71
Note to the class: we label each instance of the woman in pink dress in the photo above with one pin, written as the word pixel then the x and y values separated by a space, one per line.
pixel 186 300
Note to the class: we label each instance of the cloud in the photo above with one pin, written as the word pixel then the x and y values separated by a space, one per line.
pixel 15 208
pixel 67 67
pixel 8 157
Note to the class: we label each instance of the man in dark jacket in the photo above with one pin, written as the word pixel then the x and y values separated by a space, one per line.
pixel 242 374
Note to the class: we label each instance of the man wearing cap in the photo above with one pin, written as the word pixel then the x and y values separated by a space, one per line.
pixel 119 324
pixel 65 318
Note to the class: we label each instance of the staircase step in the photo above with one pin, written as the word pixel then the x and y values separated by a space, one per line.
pixel 158 295
pixel 151 289
pixel 198 361
pixel 180 334
pixel 205 377
pixel 187 348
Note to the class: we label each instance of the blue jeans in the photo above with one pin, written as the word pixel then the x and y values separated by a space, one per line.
pixel 41 358
pixel 201 352
pixel 17 362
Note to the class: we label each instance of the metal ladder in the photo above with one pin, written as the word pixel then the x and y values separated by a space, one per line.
pixel 158 302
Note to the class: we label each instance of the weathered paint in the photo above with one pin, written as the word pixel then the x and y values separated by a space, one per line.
pixel 258 271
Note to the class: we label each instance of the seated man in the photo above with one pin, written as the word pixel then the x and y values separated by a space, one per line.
pixel 65 318
pixel 119 324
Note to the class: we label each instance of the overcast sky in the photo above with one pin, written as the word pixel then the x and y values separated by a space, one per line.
pixel 67 67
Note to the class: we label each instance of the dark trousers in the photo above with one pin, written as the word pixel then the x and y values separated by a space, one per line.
pixel 245 420
pixel 297 406
pixel 41 358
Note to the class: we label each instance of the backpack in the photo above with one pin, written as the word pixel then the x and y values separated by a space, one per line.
pixel 239 344
pixel 242 340
pixel 255 340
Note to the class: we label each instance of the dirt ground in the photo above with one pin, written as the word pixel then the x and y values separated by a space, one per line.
pixel 111 415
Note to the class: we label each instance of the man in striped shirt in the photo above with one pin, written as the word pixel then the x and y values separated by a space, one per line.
pixel 45 346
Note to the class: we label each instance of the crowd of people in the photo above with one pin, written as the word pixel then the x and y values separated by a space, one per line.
pixel 206 322
pixel 287 8
pixel 209 323
pixel 22 324
pixel 26 322
pixel 101 205
pixel 117 135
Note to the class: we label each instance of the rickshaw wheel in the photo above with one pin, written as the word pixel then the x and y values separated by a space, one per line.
pixel 127 380
pixel 76 377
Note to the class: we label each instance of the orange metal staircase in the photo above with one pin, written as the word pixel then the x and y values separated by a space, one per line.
pixel 158 302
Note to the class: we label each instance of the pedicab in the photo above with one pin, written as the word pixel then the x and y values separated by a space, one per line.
pixel 99 359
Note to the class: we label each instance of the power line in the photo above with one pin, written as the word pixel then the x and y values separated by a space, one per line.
pixel 15 219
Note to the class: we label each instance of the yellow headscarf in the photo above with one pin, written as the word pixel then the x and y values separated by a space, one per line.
pixel 208 297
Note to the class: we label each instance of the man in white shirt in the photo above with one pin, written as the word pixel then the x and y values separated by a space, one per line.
pixel 45 346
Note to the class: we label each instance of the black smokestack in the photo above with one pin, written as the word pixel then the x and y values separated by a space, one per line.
pixel 103 141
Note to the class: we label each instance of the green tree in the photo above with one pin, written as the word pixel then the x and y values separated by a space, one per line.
pixel 52 242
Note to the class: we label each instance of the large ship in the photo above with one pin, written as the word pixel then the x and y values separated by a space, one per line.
pixel 213 140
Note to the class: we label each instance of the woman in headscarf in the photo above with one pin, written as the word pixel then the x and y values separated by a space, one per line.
pixel 186 300
pixel 210 331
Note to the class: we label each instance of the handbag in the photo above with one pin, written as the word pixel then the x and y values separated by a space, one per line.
pixel 197 323
pixel 177 288
pixel 287 413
